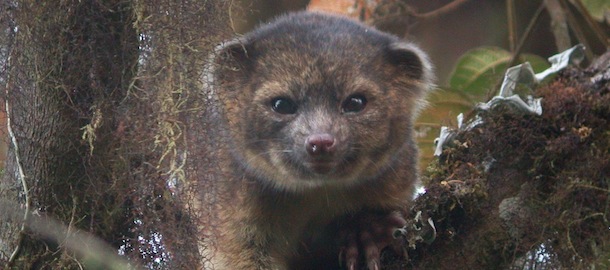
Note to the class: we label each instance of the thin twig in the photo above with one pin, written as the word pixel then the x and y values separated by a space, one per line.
pixel 595 26
pixel 512 25
pixel 24 183
pixel 232 23
pixel 404 17
pixel 577 29
pixel 559 24
pixel 526 35
pixel 440 11
pixel 528 30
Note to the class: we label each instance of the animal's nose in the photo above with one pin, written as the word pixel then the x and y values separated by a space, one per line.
pixel 320 144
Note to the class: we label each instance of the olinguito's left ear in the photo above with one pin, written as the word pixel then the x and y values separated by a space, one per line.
pixel 411 60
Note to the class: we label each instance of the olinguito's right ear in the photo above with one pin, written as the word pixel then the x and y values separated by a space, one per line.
pixel 232 59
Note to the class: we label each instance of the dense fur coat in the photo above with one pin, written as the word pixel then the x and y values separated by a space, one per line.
pixel 318 141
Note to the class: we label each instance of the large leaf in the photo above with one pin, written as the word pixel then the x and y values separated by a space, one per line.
pixel 538 63
pixel 478 72
pixel 597 8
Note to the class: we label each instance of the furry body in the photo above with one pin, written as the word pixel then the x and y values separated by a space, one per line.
pixel 319 113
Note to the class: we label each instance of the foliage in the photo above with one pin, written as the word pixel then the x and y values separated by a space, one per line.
pixel 478 71
pixel 599 9
pixel 485 208
pixel 474 78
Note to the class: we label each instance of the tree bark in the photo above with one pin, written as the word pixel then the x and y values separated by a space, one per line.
pixel 102 96
pixel 69 68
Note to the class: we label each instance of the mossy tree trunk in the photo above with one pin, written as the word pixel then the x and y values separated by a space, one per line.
pixel 99 94
pixel 70 66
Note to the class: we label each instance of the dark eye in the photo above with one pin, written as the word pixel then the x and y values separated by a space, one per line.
pixel 353 104
pixel 283 105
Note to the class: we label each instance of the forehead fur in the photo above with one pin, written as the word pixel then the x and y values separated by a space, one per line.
pixel 305 48
pixel 313 34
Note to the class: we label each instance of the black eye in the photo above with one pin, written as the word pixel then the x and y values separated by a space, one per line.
pixel 353 104
pixel 283 105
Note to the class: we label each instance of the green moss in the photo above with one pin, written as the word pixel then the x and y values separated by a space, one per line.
pixel 555 168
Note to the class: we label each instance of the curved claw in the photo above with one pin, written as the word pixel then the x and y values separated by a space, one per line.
pixel 371 250
pixel 351 252
pixel 370 234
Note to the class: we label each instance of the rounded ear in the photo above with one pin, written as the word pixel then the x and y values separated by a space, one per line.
pixel 410 60
pixel 232 59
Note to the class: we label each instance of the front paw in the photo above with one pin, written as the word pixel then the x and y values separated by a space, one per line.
pixel 366 235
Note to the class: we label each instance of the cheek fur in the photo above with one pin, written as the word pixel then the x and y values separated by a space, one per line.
pixel 372 127
pixel 263 132
pixel 390 130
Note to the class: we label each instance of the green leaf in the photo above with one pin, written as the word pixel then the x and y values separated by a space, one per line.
pixel 538 63
pixel 597 8
pixel 477 71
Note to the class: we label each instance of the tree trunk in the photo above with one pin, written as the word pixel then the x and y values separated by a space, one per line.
pixel 70 67
pixel 100 98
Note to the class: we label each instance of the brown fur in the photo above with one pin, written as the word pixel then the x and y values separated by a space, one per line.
pixel 279 211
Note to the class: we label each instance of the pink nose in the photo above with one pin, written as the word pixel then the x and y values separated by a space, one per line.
pixel 319 144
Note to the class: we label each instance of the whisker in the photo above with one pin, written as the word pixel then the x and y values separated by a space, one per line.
pixel 268 152
pixel 264 140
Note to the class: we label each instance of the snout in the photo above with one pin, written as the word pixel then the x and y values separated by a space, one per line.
pixel 321 153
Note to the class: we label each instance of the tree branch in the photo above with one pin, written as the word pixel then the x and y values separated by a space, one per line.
pixel 440 11
pixel 528 30
pixel 576 28
pixel 512 25
pixel 526 34
pixel 24 183
pixel 594 26
pixel 559 25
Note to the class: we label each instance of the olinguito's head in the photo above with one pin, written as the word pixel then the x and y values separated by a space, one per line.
pixel 314 100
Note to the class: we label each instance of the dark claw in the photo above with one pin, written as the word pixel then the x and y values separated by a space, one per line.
pixel 373 265
pixel 351 252
pixel 370 234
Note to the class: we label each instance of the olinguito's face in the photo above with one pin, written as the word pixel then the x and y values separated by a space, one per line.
pixel 306 114
pixel 330 126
